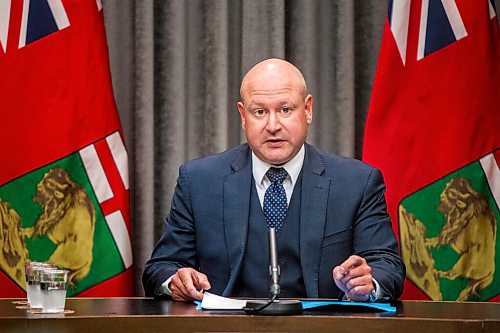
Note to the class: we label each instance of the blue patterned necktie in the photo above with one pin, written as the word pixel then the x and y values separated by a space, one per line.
pixel 275 198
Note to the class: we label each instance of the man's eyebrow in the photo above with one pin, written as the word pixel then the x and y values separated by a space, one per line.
pixel 254 104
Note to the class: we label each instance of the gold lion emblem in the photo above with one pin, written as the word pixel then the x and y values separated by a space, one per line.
pixel 68 220
pixel 470 230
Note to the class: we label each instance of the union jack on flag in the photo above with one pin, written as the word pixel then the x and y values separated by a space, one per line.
pixel 40 18
pixel 440 25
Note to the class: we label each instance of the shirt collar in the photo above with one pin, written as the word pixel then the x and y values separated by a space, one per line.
pixel 293 167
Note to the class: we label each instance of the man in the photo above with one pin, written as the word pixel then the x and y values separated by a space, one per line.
pixel 335 238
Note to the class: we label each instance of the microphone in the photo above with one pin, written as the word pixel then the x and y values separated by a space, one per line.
pixel 274 268
pixel 274 306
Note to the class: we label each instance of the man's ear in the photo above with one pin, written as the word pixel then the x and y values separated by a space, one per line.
pixel 309 109
pixel 241 110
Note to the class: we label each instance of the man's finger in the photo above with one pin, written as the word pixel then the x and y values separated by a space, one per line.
pixel 201 281
pixel 353 261
pixel 179 293
pixel 338 275
pixel 358 271
pixel 363 284
pixel 358 294
pixel 183 285
pixel 189 279
pixel 178 289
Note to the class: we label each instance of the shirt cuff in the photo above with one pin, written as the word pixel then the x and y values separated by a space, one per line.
pixel 164 289
pixel 378 291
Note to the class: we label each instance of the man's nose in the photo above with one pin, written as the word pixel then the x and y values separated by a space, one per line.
pixel 273 122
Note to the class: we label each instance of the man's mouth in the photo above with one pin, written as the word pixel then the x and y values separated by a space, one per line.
pixel 274 142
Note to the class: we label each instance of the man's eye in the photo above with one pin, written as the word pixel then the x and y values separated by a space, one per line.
pixel 259 112
pixel 286 110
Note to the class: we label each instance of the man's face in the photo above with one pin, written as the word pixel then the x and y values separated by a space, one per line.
pixel 275 117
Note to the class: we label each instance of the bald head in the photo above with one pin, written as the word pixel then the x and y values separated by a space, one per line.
pixel 269 71
pixel 275 110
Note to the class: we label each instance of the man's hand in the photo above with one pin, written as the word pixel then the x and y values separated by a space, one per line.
pixel 354 277
pixel 187 283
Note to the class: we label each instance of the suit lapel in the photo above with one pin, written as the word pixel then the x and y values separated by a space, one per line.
pixel 314 197
pixel 237 189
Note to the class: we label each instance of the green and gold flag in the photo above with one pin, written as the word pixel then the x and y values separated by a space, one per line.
pixel 64 190
pixel 433 129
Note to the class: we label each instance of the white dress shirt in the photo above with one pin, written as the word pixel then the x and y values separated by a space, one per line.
pixel 293 167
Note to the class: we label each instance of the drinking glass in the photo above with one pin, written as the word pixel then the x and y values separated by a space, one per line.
pixel 33 271
pixel 53 290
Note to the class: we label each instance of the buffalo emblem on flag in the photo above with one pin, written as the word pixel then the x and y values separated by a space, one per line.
pixel 458 248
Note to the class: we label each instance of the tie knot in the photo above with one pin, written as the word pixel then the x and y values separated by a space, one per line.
pixel 276 175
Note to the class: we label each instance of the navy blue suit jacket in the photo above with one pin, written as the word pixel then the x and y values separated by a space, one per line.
pixel 343 212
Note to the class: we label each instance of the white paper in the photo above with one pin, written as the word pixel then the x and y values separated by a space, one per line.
pixel 215 302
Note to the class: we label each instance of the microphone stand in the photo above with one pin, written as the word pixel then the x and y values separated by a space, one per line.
pixel 274 306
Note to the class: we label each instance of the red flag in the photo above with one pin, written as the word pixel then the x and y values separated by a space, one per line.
pixel 63 177
pixel 433 128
